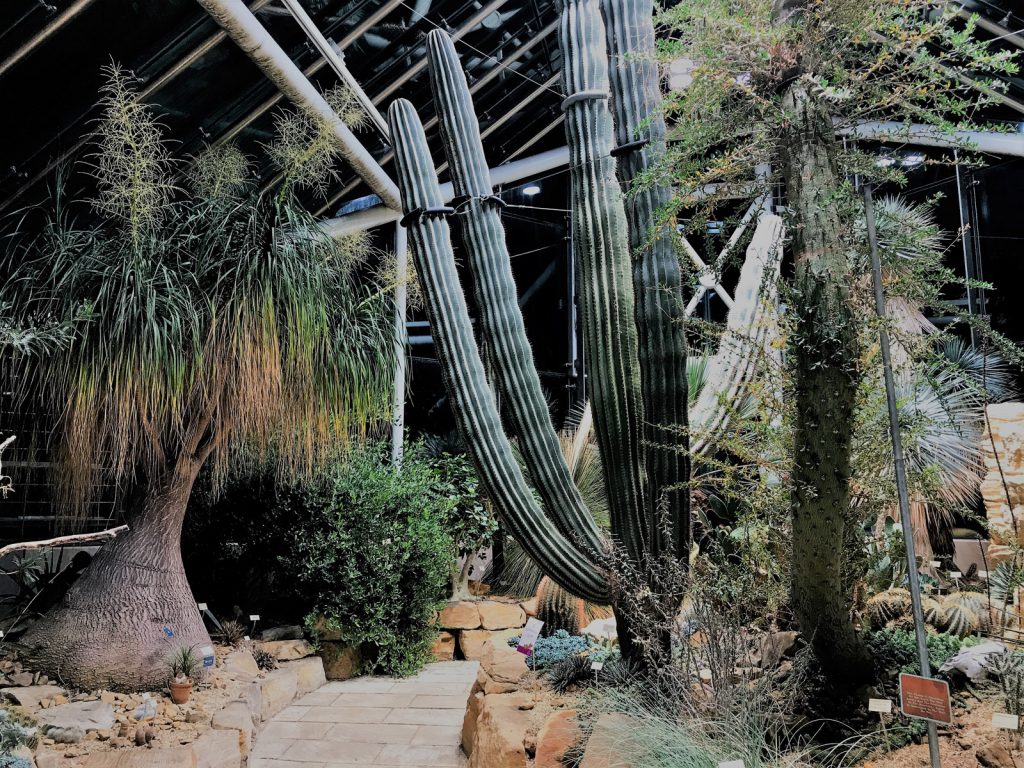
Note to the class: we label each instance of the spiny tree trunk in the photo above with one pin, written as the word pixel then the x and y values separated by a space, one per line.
pixel 826 360
pixel 108 631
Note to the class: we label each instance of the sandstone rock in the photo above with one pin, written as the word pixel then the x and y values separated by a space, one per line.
pixel 994 755
pixel 494 615
pixel 340 661
pixel 504 668
pixel 771 648
pixel 236 717
pixel 501 733
pixel 277 690
pixel 603 747
pixel 240 665
pixel 1001 508
pixel 309 674
pixel 324 632
pixel 463 614
pixel 31 697
pixel 23 679
pixel 291 632
pixel 287 650
pixel 560 731
pixel 444 646
pixel 475 643
pixel 87 715
pixel 218 749
pixel 529 607
pixel 469 721
pixel 165 757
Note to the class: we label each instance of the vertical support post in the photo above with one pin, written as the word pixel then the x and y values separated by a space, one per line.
pixel 901 472
pixel 967 242
pixel 398 394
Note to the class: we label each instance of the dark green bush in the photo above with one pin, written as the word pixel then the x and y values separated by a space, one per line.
pixel 896 649
pixel 372 551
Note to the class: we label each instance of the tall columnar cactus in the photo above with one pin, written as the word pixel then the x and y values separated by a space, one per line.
pixel 660 310
pixel 565 547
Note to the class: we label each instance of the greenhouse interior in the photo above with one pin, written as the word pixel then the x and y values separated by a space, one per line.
pixel 511 384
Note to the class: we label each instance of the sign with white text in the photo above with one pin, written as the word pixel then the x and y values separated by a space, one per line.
pixel 925 698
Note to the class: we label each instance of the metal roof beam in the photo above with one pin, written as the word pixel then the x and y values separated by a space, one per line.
pixel 1011 144
pixel 257 43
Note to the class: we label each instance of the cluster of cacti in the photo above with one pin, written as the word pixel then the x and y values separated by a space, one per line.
pixel 958 613
pixel 560 609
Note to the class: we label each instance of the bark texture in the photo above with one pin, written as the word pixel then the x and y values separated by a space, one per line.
pixel 108 631
pixel 825 354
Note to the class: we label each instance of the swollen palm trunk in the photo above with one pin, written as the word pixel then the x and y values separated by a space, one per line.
pixel 111 629
pixel 826 359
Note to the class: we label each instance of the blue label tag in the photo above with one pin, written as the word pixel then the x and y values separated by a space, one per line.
pixel 168 632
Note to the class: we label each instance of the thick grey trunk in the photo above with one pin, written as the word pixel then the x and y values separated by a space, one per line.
pixel 826 360
pixel 109 630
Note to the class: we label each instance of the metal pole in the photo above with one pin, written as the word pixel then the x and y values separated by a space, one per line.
pixel 901 472
pixel 398 394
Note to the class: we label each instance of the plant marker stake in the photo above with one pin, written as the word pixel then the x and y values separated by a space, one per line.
pixel 901 472
pixel 881 706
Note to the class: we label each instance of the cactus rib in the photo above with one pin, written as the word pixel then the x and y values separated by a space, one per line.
pixel 495 291
pixel 606 281
pixel 474 405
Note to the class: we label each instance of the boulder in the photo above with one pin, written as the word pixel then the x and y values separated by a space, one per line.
pixel 290 632
pixel 494 615
pixel 469 720
pixel 218 749
pixel 501 669
pixel 973 661
pixel 529 607
pixel 23 679
pixel 309 674
pixel 500 736
pixel 604 745
pixel 277 690
pixel 560 731
pixel 770 649
pixel 287 650
pixel 236 717
pixel 462 614
pixel 444 646
pixel 164 757
pixel 87 715
pixel 994 755
pixel 476 643
pixel 31 697
pixel 341 661
pixel 240 665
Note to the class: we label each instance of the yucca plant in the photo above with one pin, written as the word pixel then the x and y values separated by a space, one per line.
pixel 223 329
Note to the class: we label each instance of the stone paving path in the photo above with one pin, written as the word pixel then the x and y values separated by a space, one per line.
pixel 377 721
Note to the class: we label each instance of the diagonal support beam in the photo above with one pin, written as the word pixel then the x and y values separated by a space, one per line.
pixel 257 43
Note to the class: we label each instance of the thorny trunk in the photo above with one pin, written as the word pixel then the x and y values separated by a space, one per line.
pixel 109 629
pixel 826 358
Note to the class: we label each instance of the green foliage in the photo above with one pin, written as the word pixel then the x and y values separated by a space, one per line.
pixel 371 549
pixel 896 649
pixel 264 659
pixel 1008 669
pixel 184 663
pixel 16 729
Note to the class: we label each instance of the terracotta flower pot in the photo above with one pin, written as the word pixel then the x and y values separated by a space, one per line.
pixel 180 692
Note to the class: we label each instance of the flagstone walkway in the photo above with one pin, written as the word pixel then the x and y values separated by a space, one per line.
pixel 376 721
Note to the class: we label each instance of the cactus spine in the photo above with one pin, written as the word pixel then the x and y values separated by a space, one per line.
pixel 474 405
pixel 660 310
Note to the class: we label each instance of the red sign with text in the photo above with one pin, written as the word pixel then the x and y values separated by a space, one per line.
pixel 925 698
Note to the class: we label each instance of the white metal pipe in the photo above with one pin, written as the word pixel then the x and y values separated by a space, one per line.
pixel 998 30
pixel 70 13
pixel 509 173
pixel 401 335
pixel 1011 144
pixel 333 59
pixel 254 40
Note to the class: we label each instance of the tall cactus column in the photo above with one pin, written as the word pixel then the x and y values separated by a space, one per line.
pixel 500 317
pixel 473 402
pixel 606 280
pixel 660 311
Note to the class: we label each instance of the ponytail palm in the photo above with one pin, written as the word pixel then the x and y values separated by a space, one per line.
pixel 223 328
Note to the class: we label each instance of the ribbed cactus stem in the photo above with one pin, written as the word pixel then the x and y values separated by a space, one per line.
pixel 473 403
pixel 660 309
pixel 606 281
pixel 501 320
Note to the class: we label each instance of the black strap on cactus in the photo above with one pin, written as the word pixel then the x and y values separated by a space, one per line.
pixel 632 146
pixel 414 215
pixel 583 96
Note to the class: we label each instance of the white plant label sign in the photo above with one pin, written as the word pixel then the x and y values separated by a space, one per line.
pixel 880 705
pixel 597 666
pixel 254 617
pixel 208 656
pixel 1006 721
pixel 955 575
pixel 731 764
pixel 529 637
pixel 201 606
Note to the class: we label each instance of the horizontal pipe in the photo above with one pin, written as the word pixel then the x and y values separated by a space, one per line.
pixel 1011 144
pixel 70 13
pixel 509 173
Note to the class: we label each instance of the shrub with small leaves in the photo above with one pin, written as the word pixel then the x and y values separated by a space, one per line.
pixel 896 649
pixel 264 659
